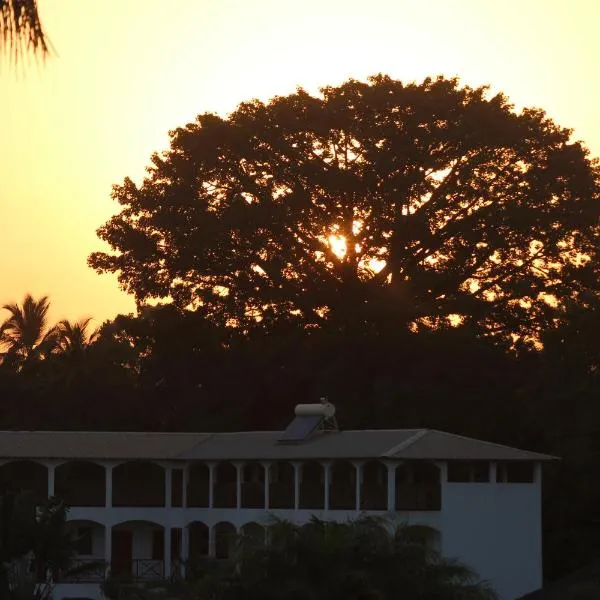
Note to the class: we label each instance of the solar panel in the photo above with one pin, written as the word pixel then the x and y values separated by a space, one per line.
pixel 301 428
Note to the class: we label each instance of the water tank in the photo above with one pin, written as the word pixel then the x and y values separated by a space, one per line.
pixel 325 409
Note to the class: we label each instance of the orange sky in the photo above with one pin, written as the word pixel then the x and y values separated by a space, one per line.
pixel 127 71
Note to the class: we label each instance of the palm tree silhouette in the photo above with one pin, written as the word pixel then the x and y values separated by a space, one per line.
pixel 25 334
pixel 21 29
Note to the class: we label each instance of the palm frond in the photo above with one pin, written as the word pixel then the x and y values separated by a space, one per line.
pixel 21 30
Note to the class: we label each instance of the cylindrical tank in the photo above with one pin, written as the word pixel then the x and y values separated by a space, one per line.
pixel 326 410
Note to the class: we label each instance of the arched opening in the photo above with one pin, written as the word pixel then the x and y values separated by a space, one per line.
pixel 81 483
pixel 87 563
pixel 138 550
pixel 252 534
pixel 139 484
pixel 199 539
pixel 374 486
pixel 198 484
pixel 418 486
pixel 253 485
pixel 225 539
pixel 342 489
pixel 312 486
pixel 25 476
pixel 281 485
pixel 225 490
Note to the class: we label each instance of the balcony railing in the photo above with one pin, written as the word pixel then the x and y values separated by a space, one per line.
pixel 419 496
pixel 253 495
pixel 342 496
pixel 225 495
pixel 373 497
pixel 281 495
pixel 139 569
pixel 312 495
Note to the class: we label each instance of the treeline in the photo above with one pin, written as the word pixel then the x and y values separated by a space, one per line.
pixel 170 370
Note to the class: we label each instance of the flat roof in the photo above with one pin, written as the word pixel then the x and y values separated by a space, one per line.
pixel 424 444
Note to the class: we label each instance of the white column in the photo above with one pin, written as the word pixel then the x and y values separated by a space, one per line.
pixel 493 472
pixel 108 547
pixel 327 483
pixel 443 467
pixel 239 473
pixel 359 468
pixel 51 474
pixel 391 499
pixel 267 470
pixel 184 551
pixel 184 485
pixel 211 484
pixel 297 466
pixel 168 486
pixel 185 544
pixel 537 472
pixel 211 541
pixel 167 552
pixel 108 473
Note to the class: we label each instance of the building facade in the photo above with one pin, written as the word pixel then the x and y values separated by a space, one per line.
pixel 145 504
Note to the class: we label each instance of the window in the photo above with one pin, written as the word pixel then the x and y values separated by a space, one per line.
pixel 84 541
pixel 515 472
pixel 463 471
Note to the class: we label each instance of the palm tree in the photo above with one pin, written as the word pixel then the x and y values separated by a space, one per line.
pixel 366 558
pixel 25 333
pixel 73 339
pixel 21 29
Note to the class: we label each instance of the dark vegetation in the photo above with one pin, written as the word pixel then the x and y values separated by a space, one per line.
pixel 466 298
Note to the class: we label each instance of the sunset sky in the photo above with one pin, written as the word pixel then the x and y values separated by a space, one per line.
pixel 127 71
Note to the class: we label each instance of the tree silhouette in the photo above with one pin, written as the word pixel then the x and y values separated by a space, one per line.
pixel 377 205
pixel 25 333
pixel 21 29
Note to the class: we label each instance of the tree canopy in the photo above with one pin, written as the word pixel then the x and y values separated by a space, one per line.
pixel 375 204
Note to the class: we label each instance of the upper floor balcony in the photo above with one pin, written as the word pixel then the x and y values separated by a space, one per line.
pixel 345 485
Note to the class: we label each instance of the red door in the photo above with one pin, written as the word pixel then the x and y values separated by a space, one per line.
pixel 122 551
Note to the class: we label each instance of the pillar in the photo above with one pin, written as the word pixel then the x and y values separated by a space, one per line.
pixel 167 553
pixel 493 472
pixel 239 474
pixel 327 483
pixel 108 472
pixel 184 485
pixel 168 486
pixel 359 468
pixel 211 484
pixel 185 547
pixel 297 466
pixel 267 468
pixel 212 534
pixel 51 476
pixel 107 547
pixel 391 496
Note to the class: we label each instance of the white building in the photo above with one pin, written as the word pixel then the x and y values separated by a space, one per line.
pixel 140 502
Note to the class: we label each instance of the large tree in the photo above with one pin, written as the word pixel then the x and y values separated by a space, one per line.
pixel 374 203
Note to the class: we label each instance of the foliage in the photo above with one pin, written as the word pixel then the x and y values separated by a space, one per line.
pixel 365 558
pixel 20 29
pixel 374 206
pixel 25 333
pixel 32 540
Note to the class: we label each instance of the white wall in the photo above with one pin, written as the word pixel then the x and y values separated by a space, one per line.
pixel 496 529
pixel 77 590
